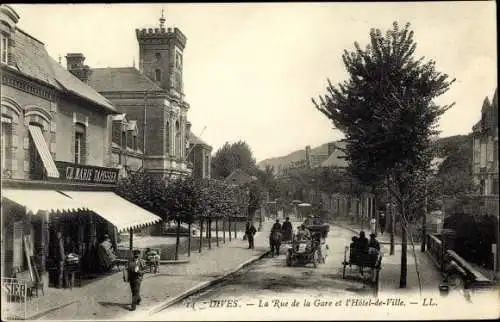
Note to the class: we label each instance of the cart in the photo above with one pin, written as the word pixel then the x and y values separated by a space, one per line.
pixel 362 258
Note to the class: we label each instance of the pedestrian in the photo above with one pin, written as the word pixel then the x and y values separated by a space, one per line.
pixel 135 271
pixel 373 225
pixel 381 222
pixel 250 232
pixel 287 229
pixel 59 258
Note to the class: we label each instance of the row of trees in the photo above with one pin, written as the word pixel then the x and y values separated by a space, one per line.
pixel 188 200
pixel 387 112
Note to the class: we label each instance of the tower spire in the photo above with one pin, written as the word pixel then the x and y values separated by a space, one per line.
pixel 162 19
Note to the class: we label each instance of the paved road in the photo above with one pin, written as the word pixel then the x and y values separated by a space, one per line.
pixel 271 279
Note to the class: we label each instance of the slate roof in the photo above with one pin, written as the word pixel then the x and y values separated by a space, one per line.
pixel 32 59
pixel 193 139
pixel 121 79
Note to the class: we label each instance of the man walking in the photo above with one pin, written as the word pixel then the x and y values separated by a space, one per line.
pixel 381 222
pixel 135 270
pixel 250 232
pixel 287 229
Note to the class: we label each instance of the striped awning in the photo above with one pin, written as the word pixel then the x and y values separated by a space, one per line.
pixel 123 214
pixel 43 150
pixel 46 200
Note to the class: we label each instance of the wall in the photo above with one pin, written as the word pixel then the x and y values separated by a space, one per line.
pixel 97 132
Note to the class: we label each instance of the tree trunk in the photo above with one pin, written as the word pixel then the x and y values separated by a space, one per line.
pixel 177 239
pixel 392 218
pixel 209 233
pixel 131 242
pixel 235 236
pixel 201 234
pixel 189 239
pixel 224 230
pixel 404 248
pixel 229 227
pixel 424 220
pixel 217 231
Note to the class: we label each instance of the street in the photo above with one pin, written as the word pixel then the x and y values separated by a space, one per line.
pixel 270 282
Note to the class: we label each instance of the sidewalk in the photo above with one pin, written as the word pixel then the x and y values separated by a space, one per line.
pixel 109 298
pixel 430 276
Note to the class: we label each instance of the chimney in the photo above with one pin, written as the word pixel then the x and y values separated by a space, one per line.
pixel 74 64
pixel 308 156
pixel 331 148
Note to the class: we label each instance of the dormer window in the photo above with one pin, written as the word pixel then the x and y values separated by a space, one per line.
pixel 158 75
pixel 4 49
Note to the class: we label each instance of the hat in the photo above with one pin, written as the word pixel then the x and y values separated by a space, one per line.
pixel 106 236
pixel 136 252
pixel 373 235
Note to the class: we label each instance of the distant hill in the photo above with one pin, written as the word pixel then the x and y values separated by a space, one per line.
pixel 445 147
pixel 293 157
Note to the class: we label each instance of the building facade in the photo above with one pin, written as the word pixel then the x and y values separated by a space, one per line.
pixel 485 148
pixel 152 96
pixel 57 165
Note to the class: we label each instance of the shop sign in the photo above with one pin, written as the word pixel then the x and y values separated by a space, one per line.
pixel 86 174
pixel 13 287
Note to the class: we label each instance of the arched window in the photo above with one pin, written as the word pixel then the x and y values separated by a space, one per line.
pixel 6 143
pixel 177 139
pixel 80 143
pixel 157 75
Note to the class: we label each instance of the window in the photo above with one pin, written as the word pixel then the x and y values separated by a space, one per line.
pixel 167 138
pixel 158 57
pixel 4 48
pixel 6 141
pixel 178 60
pixel 36 167
pixel 79 144
pixel 134 142
pixel 177 140
pixel 158 75
pixel 124 140
pixel 483 155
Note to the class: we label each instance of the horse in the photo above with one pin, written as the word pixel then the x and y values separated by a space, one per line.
pixel 275 242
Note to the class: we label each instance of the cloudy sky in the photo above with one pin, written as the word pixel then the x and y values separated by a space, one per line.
pixel 250 70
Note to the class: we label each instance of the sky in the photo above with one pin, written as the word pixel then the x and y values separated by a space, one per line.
pixel 250 70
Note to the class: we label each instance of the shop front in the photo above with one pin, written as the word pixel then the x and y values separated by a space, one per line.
pixel 64 219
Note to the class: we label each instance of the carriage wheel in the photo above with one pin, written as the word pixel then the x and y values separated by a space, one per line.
pixel 316 259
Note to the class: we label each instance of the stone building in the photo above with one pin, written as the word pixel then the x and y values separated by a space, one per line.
pixel 485 148
pixel 152 96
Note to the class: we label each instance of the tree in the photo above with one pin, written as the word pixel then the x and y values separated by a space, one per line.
pixel 230 157
pixel 387 112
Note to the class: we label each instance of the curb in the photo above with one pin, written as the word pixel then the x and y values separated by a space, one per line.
pixel 49 310
pixel 180 261
pixel 204 285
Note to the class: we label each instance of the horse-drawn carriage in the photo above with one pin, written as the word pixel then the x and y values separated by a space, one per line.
pixel 363 258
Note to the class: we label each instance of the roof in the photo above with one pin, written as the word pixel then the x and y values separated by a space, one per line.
pixel 121 79
pixel 193 139
pixel 333 159
pixel 33 60
pixel 238 177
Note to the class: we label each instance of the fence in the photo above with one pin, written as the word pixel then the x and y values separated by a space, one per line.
pixel 17 300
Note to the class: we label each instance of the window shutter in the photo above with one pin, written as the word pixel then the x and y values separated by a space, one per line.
pixel 18 244
pixel 26 142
